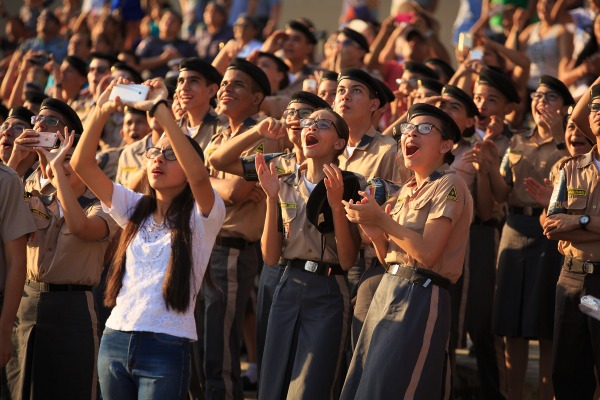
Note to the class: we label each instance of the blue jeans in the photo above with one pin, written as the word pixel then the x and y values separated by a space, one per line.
pixel 143 365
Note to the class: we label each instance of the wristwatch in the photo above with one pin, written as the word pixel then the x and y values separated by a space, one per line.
pixel 584 220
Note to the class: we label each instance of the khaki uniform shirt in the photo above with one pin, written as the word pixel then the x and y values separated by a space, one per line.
pixel 301 239
pixel 15 218
pixel 525 158
pixel 465 169
pixel 374 156
pixel 54 255
pixel 131 160
pixel 242 220
pixel 206 130
pixel 442 194
pixel 583 197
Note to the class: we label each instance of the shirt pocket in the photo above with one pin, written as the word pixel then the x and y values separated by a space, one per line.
pixel 577 204
pixel 514 158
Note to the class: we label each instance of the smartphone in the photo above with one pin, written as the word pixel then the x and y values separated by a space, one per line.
pixel 47 140
pixel 41 59
pixel 407 18
pixel 476 55
pixel 130 93
pixel 310 85
pixel 465 41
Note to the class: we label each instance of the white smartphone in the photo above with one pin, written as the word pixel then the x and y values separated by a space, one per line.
pixel 47 140
pixel 310 85
pixel 476 55
pixel 465 41
pixel 130 93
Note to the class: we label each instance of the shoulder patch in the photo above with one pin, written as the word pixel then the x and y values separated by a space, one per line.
pixel 280 170
pixel 576 192
pixel 452 194
pixel 260 148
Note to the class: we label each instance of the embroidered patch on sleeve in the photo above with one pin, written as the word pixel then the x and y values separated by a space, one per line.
pixel 576 192
pixel 452 194
pixel 260 148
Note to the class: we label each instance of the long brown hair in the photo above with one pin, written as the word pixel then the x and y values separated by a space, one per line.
pixel 176 283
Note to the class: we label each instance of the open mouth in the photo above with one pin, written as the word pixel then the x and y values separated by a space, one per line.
pixel 577 143
pixel 410 149
pixel 311 141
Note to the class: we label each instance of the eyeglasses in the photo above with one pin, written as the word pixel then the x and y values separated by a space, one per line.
pixel 18 129
pixel 550 96
pixel 423 129
pixel 100 70
pixel 153 152
pixel 346 42
pixel 594 107
pixel 300 112
pixel 321 123
pixel 242 25
pixel 48 119
pixel 412 82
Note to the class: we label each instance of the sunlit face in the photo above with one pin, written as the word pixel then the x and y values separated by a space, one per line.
pixel 550 102
pixel 575 140
pixel 490 102
pixel 269 67
pixel 10 129
pixel 353 100
pixel 457 111
pixel 296 46
pixel 164 174
pixel 193 91
pixel 135 127
pixel 327 90
pixel 422 152
pixel 235 94
pixel 321 143
pixel 99 68
pixel 594 119
pixel 76 183
pixel 293 121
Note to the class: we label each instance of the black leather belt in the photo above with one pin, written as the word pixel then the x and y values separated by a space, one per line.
pixel 236 243
pixel 490 222
pixel 582 267
pixel 420 276
pixel 317 268
pixel 53 287
pixel 527 211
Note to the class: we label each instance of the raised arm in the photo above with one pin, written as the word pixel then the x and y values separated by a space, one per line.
pixel 271 241
pixel 581 113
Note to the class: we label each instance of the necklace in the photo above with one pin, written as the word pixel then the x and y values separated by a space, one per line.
pixel 153 230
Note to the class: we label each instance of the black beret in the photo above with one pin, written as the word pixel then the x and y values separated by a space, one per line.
pixel 281 65
pixel 557 86
pixel 318 211
pixel 443 65
pixel 204 68
pixel 220 6
pixel 3 111
pixel 132 110
pixel 305 30
pixel 69 115
pixel 420 68
pixel 357 37
pixel 254 71
pixel 594 92
pixel 121 66
pixel 77 63
pixel 500 81
pixel 329 76
pixel 35 97
pixel 104 56
pixel 373 84
pixel 463 97
pixel 309 98
pixel 171 83
pixel 433 111
pixel 21 113
pixel 431 84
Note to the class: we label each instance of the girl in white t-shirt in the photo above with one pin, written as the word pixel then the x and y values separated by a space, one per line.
pixel 159 265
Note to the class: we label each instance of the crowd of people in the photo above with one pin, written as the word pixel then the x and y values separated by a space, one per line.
pixel 341 210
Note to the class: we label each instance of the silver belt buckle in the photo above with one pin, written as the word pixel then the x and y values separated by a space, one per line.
pixel 587 267
pixel 311 266
pixel 393 269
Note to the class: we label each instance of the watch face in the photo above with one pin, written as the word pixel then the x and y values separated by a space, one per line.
pixel 584 219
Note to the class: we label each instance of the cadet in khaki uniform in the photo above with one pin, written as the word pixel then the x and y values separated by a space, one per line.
pixel 226 158
pixel 197 84
pixel 402 348
pixel 233 261
pixel 528 263
pixel 573 219
pixel 370 154
pixel 55 337
pixel 15 224
pixel 18 119
pixel 306 225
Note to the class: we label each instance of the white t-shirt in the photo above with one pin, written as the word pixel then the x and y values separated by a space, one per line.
pixel 140 305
